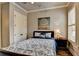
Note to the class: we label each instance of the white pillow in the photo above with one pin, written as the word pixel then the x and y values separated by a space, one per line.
pixel 37 34
pixel 48 35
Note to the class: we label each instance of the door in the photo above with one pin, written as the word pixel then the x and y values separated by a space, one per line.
pixel 20 26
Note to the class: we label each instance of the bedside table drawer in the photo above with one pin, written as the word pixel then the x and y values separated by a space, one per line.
pixel 61 43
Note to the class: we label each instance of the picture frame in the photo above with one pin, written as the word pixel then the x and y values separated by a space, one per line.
pixel 44 23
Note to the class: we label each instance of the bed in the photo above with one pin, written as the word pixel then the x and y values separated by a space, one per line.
pixel 41 44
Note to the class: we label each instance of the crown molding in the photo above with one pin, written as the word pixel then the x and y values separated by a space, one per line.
pixel 68 4
pixel 19 7
pixel 56 7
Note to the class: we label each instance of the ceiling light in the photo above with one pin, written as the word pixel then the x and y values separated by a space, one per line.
pixel 32 2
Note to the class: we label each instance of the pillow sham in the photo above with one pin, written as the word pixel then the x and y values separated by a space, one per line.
pixel 48 36
pixel 37 34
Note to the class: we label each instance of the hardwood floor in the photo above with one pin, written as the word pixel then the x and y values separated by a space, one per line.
pixel 63 52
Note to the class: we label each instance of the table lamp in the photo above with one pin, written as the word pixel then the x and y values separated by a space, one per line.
pixel 57 33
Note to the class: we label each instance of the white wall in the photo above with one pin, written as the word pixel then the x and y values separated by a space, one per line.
pixel 58 20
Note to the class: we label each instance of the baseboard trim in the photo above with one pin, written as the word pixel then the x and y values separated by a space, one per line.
pixel 72 52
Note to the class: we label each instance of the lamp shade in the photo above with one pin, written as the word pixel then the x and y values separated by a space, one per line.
pixel 57 31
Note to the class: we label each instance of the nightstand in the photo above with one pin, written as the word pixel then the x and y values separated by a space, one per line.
pixel 61 43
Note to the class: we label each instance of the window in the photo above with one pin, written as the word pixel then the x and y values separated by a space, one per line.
pixel 71 33
pixel 71 24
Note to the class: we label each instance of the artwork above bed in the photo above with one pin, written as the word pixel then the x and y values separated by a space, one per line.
pixel 44 23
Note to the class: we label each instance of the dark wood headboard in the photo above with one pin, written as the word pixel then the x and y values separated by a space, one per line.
pixel 52 33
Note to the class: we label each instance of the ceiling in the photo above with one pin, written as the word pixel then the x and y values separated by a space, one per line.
pixel 39 5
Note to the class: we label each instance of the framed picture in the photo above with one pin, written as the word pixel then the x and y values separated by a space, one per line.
pixel 44 23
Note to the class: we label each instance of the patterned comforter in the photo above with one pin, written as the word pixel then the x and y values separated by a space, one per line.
pixel 34 47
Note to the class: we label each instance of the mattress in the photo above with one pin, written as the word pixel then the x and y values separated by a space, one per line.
pixel 34 47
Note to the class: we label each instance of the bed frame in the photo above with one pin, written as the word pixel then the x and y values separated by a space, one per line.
pixel 52 33
pixel 8 53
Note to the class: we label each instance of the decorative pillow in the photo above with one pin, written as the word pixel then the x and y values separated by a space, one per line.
pixel 48 35
pixel 37 34
pixel 42 36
